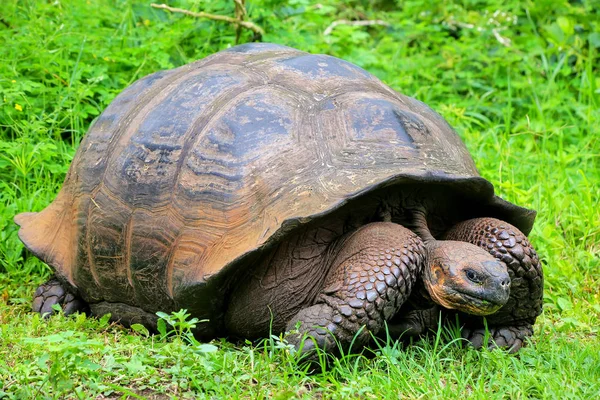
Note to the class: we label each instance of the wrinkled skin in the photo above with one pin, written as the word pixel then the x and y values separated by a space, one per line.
pixel 511 325
pixel 458 276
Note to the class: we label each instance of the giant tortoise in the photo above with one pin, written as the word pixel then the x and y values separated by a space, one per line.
pixel 265 189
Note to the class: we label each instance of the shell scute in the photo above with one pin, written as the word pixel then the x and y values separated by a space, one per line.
pixel 253 124
pixel 381 121
pixel 220 164
pixel 319 66
pixel 152 236
pixel 91 158
pixel 145 170
pixel 257 48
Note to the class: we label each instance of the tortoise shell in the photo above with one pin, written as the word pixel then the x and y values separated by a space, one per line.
pixel 189 170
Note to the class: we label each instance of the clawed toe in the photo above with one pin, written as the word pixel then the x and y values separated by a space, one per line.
pixel 510 338
pixel 51 293
pixel 47 295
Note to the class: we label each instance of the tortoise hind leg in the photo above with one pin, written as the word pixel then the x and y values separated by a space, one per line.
pixel 370 278
pixel 512 324
pixel 55 292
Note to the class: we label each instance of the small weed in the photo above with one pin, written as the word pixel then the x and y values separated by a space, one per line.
pixel 181 328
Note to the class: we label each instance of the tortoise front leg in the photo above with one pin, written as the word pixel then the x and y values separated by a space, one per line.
pixel 55 292
pixel 370 278
pixel 512 324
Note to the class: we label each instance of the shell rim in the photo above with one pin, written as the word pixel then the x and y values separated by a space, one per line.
pixel 521 217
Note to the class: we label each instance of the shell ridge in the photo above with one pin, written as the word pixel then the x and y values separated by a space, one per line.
pixel 127 253
pixel 88 248
pixel 171 266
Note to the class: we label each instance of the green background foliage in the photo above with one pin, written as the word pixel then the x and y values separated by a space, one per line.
pixel 520 82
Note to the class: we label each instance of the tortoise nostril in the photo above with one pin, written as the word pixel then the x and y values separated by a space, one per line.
pixel 505 283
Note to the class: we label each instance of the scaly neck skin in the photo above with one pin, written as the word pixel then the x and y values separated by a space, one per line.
pixel 419 226
pixel 420 298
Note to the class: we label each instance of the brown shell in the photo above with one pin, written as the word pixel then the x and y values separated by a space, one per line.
pixel 188 170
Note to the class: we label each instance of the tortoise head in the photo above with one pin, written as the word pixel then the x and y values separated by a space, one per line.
pixel 461 276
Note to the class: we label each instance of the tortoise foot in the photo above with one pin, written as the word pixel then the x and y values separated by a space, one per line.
pixel 511 338
pixel 412 324
pixel 54 292
pixel 315 330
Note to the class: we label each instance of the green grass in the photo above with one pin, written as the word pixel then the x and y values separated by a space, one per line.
pixel 529 112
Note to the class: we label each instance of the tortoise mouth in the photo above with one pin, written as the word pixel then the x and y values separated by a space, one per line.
pixel 476 304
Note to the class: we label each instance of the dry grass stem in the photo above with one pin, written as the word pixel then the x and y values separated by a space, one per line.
pixel 236 21
pixel 332 26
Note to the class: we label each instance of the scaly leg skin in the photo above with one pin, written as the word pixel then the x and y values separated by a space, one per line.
pixel 512 324
pixel 54 292
pixel 369 280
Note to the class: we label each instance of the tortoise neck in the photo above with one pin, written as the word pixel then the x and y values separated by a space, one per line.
pixel 420 227
pixel 420 299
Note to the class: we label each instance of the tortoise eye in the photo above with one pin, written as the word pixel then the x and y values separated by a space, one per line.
pixel 472 276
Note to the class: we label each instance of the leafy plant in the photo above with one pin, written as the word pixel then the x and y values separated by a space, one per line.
pixel 177 325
